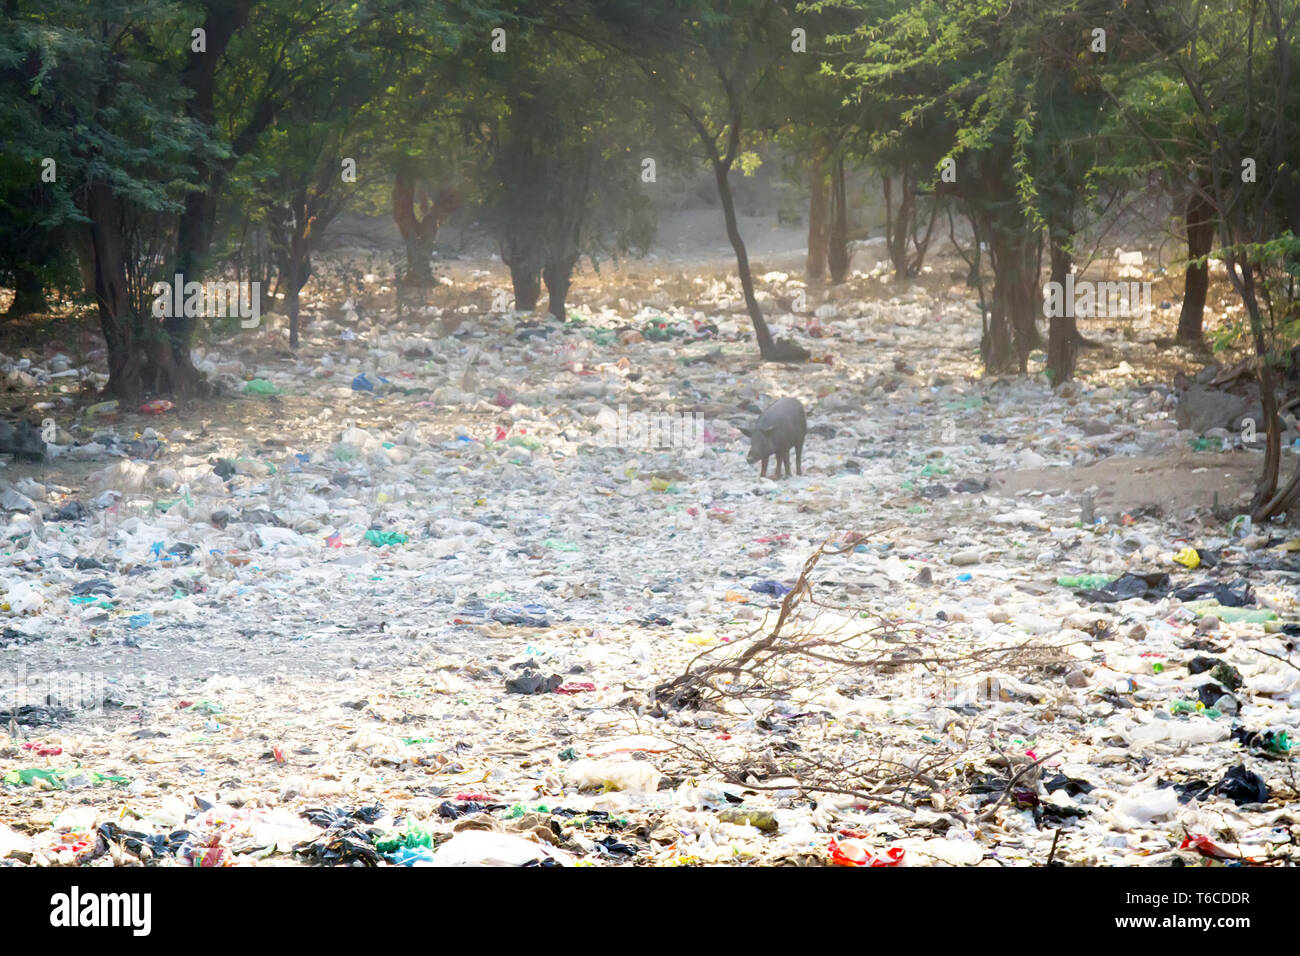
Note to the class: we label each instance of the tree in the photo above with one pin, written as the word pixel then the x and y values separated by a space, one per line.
pixel 819 204
pixel 96 101
pixel 1236 64
pixel 1152 132
pixel 1008 93
pixel 562 182
pixel 1200 229
pixel 419 221
pixel 712 68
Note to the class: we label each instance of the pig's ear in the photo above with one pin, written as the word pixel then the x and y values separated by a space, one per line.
pixel 769 429
pixel 747 432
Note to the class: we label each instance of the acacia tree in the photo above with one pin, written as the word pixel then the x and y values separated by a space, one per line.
pixel 591 205
pixel 818 128
pixel 562 178
pixel 148 107
pixel 303 196
pixel 928 68
pixel 1005 90
pixel 337 90
pixel 39 212
pixel 1066 153
pixel 1236 63
pixel 1149 104
pixel 98 103
pixel 34 250
pixel 419 211
pixel 903 219
pixel 428 126
pixel 712 69
pixel 257 62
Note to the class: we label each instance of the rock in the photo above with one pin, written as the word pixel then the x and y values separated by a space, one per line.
pixel 1201 408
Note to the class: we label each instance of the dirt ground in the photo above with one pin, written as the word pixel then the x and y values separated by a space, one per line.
pixel 1179 481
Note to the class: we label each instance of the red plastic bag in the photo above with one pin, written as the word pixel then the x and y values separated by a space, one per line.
pixel 42 750
pixel 1207 847
pixel 853 853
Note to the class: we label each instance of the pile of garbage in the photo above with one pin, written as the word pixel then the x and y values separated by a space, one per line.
pixel 459 589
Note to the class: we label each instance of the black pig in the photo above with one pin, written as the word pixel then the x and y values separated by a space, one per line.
pixel 777 430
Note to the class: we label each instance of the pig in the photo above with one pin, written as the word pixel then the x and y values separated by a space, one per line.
pixel 778 429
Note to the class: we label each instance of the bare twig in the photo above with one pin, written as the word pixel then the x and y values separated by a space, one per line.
pixel 1006 791
pixel 1277 657
pixel 816 649
pixel 1055 839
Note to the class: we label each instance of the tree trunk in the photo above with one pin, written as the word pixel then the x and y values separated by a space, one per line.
pixel 299 270
pixel 193 240
pixel 141 357
pixel 116 319
pixel 558 276
pixel 1196 283
pixel 839 238
pixel 997 347
pixel 900 224
pixel 29 293
pixel 291 298
pixel 195 227
pixel 1021 293
pixel 525 278
pixel 79 240
pixel 419 252
pixel 761 332
pixel 922 245
pixel 1062 330
pixel 416 234
pixel 194 230
pixel 1267 501
pixel 1014 250
pixel 818 206
pixel 1266 487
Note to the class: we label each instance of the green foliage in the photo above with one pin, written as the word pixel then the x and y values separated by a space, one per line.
pixel 93 98
pixel 544 143
pixel 563 175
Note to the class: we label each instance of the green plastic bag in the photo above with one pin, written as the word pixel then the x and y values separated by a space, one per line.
pixel 381 538
pixel 413 835
pixel 260 386
pixel 1236 615
pixel 27 775
pixel 1089 582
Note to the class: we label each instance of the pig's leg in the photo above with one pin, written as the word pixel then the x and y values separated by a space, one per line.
pixel 763 472
pixel 785 457
pixel 798 458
